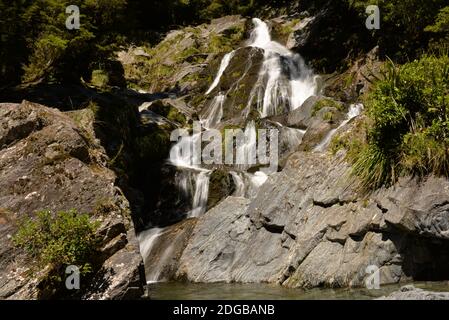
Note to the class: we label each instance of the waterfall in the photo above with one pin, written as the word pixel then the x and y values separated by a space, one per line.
pixel 354 111
pixel 213 115
pixel 224 64
pixel 201 194
pixel 283 83
pixel 239 184
pixel 284 80
pixel 147 240
pixel 248 184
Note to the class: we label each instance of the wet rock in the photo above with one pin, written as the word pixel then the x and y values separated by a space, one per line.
pixel 221 186
pixel 180 63
pixel 162 260
pixel 357 80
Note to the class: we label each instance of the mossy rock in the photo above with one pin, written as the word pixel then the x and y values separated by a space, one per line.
pixel 221 186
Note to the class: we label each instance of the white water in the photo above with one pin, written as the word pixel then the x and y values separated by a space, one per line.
pixel 247 150
pixel 213 115
pixel 239 184
pixel 224 64
pixel 146 240
pixel 284 83
pixel 354 111
pixel 284 80
pixel 292 137
pixel 201 194
pixel 247 184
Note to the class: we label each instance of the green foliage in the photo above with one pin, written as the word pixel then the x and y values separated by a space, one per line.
pixel 442 22
pixel 409 114
pixel 66 238
pixel 35 34
pixel 402 33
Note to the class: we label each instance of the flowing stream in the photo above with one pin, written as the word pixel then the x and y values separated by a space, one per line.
pixel 221 291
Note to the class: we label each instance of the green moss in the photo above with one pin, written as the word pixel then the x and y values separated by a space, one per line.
pixel 100 78
pixel 287 29
pixel 328 116
pixel 327 103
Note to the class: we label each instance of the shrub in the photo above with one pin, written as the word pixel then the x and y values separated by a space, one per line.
pixel 409 117
pixel 402 33
pixel 66 238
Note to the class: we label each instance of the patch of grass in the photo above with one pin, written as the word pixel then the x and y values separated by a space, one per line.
pixel 328 116
pixel 409 117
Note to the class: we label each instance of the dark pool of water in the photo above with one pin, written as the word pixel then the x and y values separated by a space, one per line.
pixel 189 291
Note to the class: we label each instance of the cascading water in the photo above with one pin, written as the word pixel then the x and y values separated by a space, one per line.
pixel 224 64
pixel 214 113
pixel 284 83
pixel 284 80
pixel 248 184
pixel 354 111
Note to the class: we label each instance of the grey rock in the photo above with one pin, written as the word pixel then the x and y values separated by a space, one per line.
pixel 48 161
pixel 412 293
pixel 309 227
pixel 216 243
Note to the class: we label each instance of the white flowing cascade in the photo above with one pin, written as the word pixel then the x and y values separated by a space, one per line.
pixel 284 83
pixel 224 64
pixel 213 115
pixel 284 80
pixel 354 111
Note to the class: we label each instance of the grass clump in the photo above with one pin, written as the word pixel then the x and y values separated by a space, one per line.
pixel 408 113
pixel 58 240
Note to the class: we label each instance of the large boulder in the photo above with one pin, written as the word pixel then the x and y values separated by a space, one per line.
pixel 309 227
pixel 52 161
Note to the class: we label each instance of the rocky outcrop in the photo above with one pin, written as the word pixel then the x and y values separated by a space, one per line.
pixel 309 227
pixel 412 293
pixel 52 161
pixel 179 63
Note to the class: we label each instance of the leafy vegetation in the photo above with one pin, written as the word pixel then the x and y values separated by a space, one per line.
pixel 405 24
pixel 36 46
pixel 65 238
pixel 408 113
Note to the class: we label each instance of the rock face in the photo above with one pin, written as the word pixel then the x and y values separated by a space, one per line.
pixel 52 161
pixel 308 227
pixel 412 293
